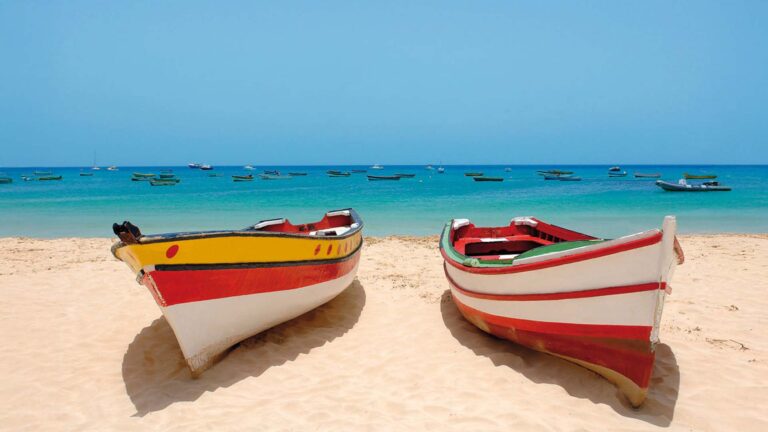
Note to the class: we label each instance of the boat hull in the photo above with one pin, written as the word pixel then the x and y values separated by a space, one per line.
pixel 211 310
pixel 600 309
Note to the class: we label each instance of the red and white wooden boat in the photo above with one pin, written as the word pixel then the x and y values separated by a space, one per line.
pixel 217 288
pixel 594 302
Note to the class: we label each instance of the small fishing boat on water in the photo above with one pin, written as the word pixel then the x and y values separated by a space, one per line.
pixel 217 288
pixel 688 176
pixel 429 168
pixel 86 174
pixel 592 301
pixel 441 170
pixel 143 175
pixel 473 174
pixel 6 180
pixel 167 175
pixel 274 177
pixel 338 173
pixel 488 179
pixel 405 175
pixel 249 167
pixel 647 175
pixel 684 186
pixel 50 178
pixel 378 178
pixel 377 167
pixel 112 168
pixel 205 167
pixel 553 172
pixel 194 165
pixel 246 177
pixel 614 169
pixel 272 172
pixel 164 181
pixel 617 174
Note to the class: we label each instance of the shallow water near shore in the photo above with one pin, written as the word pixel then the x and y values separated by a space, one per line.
pixel 87 206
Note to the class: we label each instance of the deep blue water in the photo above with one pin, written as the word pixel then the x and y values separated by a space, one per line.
pixel 598 205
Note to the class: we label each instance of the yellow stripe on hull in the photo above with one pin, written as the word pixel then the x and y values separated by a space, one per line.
pixel 236 249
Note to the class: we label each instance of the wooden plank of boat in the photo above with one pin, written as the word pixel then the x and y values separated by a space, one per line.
pixel 217 288
pixel 647 175
pixel 685 187
pixel 50 178
pixel 488 179
pixel 591 301
pixel 699 176
pixel 405 175
pixel 473 174
pixel 381 178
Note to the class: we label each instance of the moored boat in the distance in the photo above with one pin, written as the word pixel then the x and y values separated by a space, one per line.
pixel 591 301
pixel 164 181
pixel 689 176
pixel 381 178
pixel 473 174
pixel 217 288
pixel 647 175
pixel 488 179
pixel 684 186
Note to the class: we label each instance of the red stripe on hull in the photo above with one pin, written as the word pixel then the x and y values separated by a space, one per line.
pixel 587 255
pixel 559 295
pixel 184 286
pixel 632 357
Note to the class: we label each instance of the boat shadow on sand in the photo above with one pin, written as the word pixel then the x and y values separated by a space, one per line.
pixel 156 375
pixel 658 409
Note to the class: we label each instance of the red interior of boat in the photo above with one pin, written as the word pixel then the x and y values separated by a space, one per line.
pixel 327 222
pixel 489 243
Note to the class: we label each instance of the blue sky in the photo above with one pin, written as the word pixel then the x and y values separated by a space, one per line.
pixel 389 82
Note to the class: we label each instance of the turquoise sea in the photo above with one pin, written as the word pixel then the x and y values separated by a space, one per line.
pixel 607 207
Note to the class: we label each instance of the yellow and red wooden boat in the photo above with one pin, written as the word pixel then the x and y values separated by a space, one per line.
pixel 591 301
pixel 217 288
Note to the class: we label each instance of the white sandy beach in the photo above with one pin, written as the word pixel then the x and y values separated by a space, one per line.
pixel 85 347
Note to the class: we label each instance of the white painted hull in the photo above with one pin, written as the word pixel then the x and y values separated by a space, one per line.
pixel 207 329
